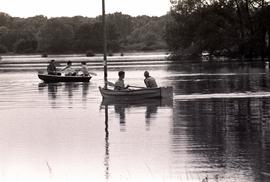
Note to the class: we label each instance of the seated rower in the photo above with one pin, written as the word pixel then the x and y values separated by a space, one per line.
pixel 119 84
pixel 149 81
pixel 68 70
pixel 51 68
pixel 83 71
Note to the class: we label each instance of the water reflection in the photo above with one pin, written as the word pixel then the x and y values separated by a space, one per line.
pixel 220 78
pixel 124 109
pixel 69 89
pixel 107 146
pixel 223 135
pixel 222 132
pixel 151 109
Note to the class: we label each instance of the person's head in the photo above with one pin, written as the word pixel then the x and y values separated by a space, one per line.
pixel 121 74
pixel 69 63
pixel 146 74
pixel 52 61
pixel 83 63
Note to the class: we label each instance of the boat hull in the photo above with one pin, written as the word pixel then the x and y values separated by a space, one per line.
pixel 58 78
pixel 138 94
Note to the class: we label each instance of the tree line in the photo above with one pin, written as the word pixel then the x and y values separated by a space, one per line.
pixel 232 28
pixel 79 34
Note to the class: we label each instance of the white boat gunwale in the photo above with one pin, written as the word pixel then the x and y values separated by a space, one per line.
pixel 160 92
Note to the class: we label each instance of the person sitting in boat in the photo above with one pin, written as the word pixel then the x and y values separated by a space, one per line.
pixel 119 84
pixel 68 70
pixel 149 81
pixel 83 71
pixel 51 68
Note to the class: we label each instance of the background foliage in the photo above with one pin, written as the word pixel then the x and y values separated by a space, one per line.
pixel 78 34
pixel 231 28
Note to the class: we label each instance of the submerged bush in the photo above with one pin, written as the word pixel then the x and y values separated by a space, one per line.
pixel 90 53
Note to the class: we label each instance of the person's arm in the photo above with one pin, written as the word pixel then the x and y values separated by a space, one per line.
pixel 127 87
pixel 146 82
pixel 64 68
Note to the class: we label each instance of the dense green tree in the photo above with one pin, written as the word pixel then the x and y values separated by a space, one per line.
pixel 222 27
pixel 81 34
pixel 122 24
pixel 55 36
pixel 3 49
pixel 83 37
pixel 90 37
pixel 25 46
pixel 147 33
pixel 5 19
pixel 9 39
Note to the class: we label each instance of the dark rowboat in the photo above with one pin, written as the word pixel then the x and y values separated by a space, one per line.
pixel 58 78
pixel 137 94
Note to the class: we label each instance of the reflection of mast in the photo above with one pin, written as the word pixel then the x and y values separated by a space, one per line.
pixel 106 160
pixel 107 145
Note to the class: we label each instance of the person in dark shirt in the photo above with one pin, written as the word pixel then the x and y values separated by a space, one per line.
pixel 51 68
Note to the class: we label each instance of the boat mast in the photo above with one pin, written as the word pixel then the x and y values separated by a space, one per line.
pixel 104 43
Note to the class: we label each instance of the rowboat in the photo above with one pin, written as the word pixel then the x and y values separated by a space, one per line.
pixel 128 94
pixel 137 94
pixel 59 78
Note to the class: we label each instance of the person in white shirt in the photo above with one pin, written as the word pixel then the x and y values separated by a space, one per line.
pixel 68 70
pixel 119 84
pixel 149 81
pixel 83 71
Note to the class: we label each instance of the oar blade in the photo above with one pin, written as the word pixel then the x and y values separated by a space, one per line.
pixel 93 73
pixel 111 84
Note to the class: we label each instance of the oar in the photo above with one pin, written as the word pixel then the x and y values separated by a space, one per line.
pixel 92 73
pixel 135 86
pixel 112 85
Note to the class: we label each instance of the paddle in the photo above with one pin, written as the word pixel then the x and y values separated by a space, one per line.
pixel 92 73
pixel 135 86
pixel 112 85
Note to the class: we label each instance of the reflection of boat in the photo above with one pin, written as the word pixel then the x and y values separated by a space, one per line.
pixel 58 78
pixel 151 108
pixel 56 90
pixel 137 103
pixel 137 94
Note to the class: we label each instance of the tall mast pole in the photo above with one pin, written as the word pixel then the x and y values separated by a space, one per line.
pixel 104 43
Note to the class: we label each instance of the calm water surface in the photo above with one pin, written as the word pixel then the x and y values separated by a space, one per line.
pixel 216 127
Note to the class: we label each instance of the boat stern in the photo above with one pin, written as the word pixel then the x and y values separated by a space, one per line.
pixel 167 92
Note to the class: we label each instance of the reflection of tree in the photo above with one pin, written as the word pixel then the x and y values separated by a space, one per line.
pixel 229 79
pixel 228 132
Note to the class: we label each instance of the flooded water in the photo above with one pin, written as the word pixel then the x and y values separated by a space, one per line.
pixel 216 128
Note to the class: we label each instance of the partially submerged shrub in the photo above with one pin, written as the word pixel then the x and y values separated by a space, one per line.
pixel 90 53
pixel 110 53
pixel 44 55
